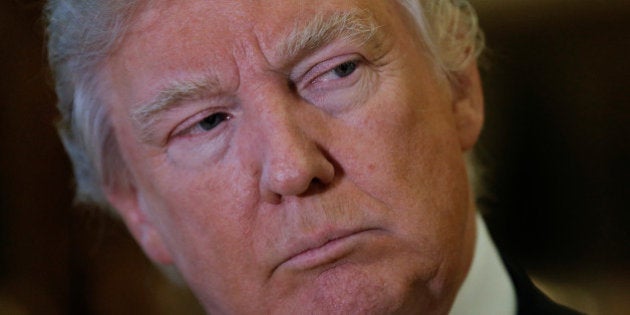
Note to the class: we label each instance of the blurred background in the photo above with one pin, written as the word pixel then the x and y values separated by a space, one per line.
pixel 555 150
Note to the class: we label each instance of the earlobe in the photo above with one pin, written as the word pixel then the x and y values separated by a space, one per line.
pixel 133 210
pixel 468 107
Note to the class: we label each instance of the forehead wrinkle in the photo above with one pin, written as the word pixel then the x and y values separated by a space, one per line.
pixel 356 25
pixel 174 94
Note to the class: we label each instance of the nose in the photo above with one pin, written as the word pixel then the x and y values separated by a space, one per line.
pixel 294 163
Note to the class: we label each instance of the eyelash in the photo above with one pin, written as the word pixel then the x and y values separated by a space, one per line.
pixel 212 121
pixel 196 127
pixel 316 74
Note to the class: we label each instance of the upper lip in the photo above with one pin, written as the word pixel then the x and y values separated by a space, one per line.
pixel 311 242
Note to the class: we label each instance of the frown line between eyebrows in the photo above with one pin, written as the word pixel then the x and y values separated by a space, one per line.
pixel 174 94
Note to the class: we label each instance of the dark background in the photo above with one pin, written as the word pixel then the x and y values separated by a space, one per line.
pixel 555 152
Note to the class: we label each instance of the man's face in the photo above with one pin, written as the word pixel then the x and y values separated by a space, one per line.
pixel 288 158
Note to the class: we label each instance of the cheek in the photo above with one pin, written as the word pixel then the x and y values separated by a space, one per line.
pixel 201 208
pixel 398 140
pixel 207 231
pixel 404 152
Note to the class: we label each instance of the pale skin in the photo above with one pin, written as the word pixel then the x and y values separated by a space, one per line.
pixel 328 180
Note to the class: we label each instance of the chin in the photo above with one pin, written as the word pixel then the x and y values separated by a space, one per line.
pixel 349 288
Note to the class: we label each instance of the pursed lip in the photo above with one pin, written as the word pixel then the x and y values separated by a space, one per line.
pixel 311 252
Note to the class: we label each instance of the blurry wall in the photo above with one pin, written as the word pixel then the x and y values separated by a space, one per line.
pixel 556 144
pixel 34 253
pixel 555 150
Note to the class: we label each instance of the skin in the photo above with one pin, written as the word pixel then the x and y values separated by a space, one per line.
pixel 315 193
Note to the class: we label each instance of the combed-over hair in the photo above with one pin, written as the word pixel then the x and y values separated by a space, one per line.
pixel 81 34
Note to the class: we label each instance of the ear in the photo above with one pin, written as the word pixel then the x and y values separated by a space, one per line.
pixel 468 106
pixel 130 204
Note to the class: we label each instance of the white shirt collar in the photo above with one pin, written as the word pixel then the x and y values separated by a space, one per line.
pixel 487 288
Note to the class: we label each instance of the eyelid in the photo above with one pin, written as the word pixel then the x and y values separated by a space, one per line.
pixel 183 129
pixel 326 66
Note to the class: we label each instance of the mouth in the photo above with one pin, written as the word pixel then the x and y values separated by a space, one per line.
pixel 316 252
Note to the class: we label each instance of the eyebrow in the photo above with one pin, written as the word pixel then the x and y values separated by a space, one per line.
pixel 357 25
pixel 146 116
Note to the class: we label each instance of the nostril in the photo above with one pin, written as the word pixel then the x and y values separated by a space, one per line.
pixel 316 186
pixel 292 87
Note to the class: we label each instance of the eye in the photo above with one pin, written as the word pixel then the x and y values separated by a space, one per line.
pixel 336 72
pixel 338 83
pixel 201 123
pixel 345 69
pixel 212 121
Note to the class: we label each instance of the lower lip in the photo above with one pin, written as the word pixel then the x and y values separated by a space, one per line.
pixel 328 253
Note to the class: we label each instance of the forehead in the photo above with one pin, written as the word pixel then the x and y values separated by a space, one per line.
pixel 199 21
pixel 171 40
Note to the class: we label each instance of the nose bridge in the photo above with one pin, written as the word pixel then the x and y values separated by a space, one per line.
pixel 293 159
pixel 285 140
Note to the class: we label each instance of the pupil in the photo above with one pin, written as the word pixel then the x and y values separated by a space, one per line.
pixel 345 69
pixel 212 121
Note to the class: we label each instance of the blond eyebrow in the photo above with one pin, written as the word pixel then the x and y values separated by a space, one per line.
pixel 355 25
pixel 175 93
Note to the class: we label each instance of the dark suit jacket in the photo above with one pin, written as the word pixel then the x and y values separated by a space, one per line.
pixel 531 301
